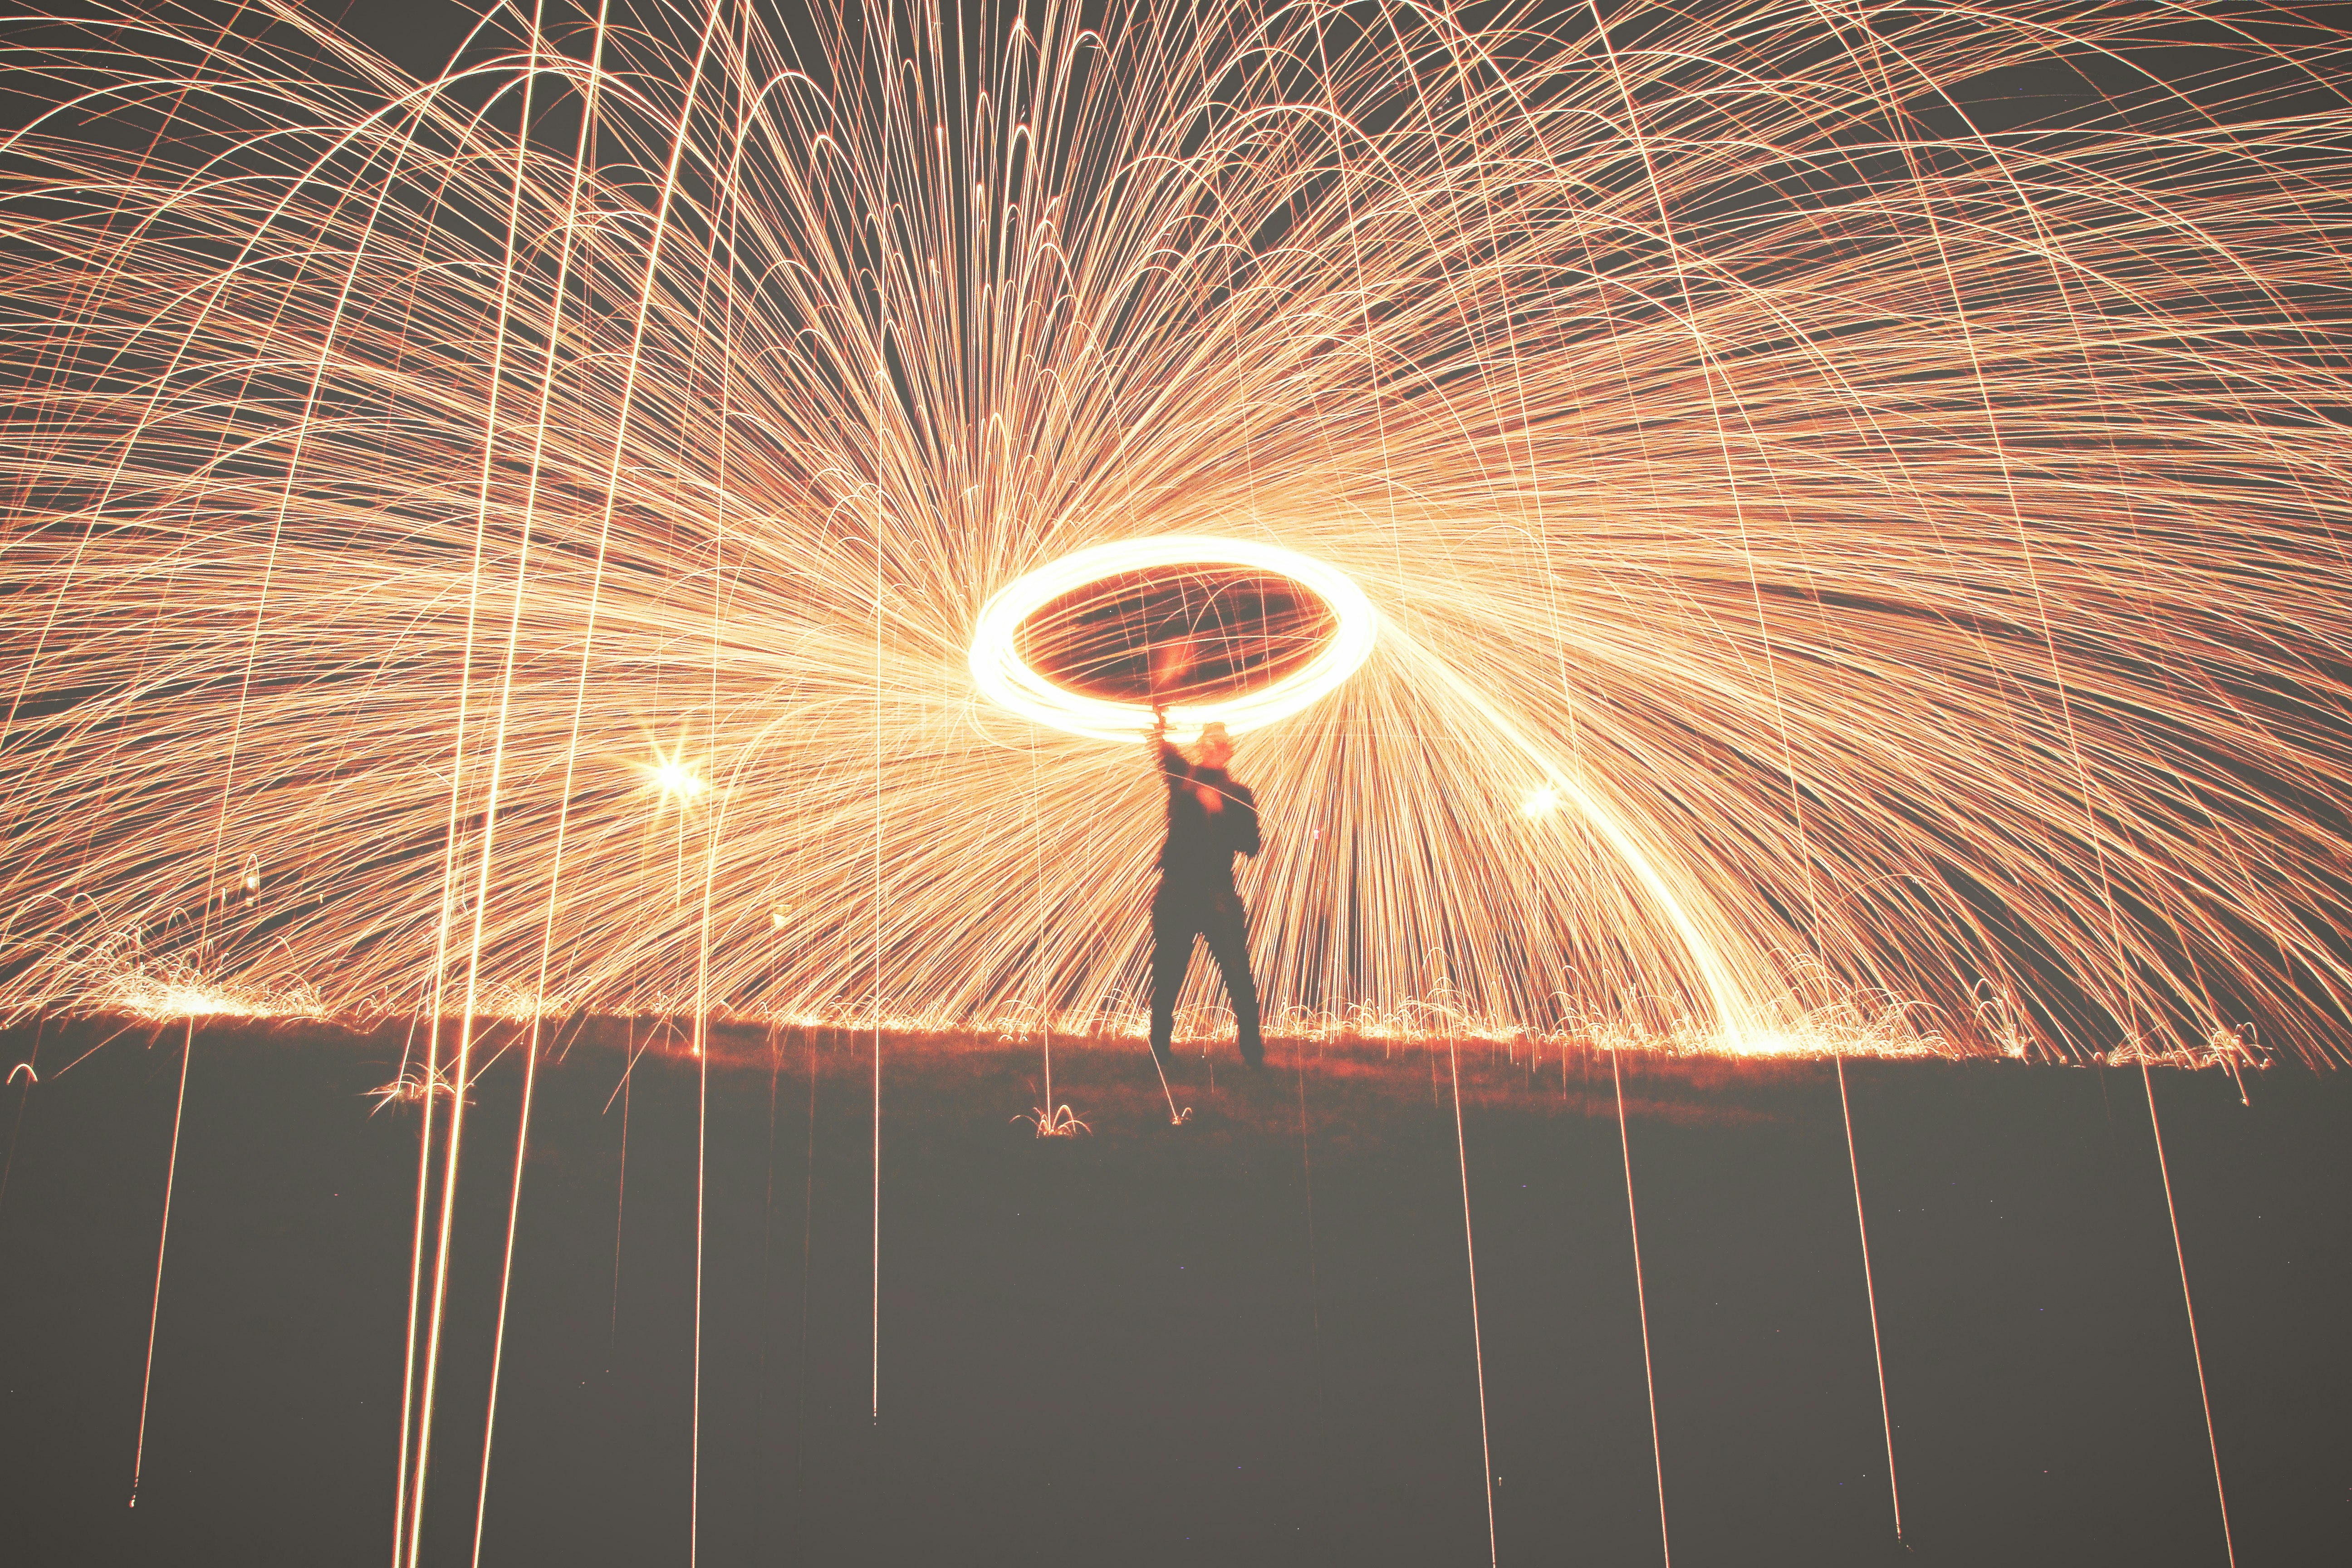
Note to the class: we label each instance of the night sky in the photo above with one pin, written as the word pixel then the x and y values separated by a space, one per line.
pixel 1153 1346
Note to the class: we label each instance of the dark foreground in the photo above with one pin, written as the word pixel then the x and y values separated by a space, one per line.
pixel 1248 1340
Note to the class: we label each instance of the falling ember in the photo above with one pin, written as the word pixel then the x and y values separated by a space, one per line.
pixel 411 1089
pixel 1904 545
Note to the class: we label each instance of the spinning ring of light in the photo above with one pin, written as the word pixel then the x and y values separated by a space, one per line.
pixel 998 669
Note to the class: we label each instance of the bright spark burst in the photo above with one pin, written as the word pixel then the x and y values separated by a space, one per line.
pixel 1906 534
pixel 675 779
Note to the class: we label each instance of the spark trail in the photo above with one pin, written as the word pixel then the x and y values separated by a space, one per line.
pixel 1608 353
pixel 1869 1296
pixel 1642 1305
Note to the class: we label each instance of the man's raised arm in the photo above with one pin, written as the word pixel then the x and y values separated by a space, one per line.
pixel 1172 766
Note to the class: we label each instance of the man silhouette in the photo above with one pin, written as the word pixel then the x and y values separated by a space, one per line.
pixel 1210 817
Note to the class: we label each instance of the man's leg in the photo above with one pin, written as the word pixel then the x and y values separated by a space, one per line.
pixel 1228 933
pixel 1172 928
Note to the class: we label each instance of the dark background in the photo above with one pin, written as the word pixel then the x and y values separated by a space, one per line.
pixel 1128 1350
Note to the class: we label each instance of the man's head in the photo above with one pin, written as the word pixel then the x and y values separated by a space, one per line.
pixel 1216 748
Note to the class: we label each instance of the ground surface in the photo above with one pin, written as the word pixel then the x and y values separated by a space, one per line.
pixel 1149 1346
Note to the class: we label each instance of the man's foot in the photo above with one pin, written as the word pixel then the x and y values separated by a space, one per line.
pixel 1166 1060
pixel 1255 1059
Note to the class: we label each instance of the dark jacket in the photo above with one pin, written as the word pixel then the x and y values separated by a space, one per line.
pixel 1200 845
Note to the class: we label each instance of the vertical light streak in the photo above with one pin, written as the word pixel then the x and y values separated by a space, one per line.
pixel 1641 1303
pixel 1038 901
pixel 885 231
pixel 714 823
pixel 620 1218
pixel 547 379
pixel 1306 1183
pixel 2196 1351
pixel 418 1391
pixel 875 1387
pixel 808 1231
pixel 162 1235
pixel 1470 1254
pixel 768 1210
pixel 432 1320
pixel 435 986
pixel 1313 1289
pixel 456 1115
pixel 462 1075
pixel 506 1283
pixel 701 1174
pixel 482 892
pixel 1870 1293
pixel 416 1266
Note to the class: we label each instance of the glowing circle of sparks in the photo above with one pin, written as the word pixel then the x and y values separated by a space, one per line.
pixel 998 669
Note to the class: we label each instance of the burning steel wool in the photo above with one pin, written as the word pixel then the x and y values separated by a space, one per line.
pixel 1792 547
